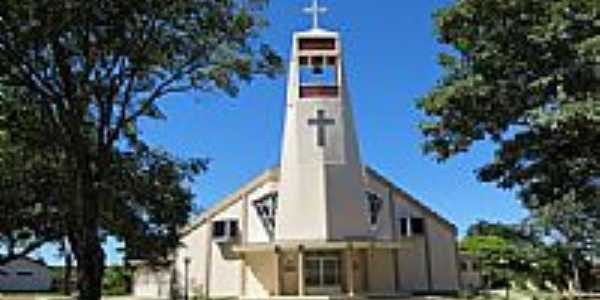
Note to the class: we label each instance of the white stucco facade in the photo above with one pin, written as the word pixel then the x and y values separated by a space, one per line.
pixel 413 267
pixel 322 224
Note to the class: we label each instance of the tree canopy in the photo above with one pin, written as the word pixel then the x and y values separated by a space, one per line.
pixel 517 252
pixel 88 71
pixel 524 75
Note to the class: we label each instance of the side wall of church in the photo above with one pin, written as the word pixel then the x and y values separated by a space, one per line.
pixel 260 274
pixel 429 263
pixel 382 273
pixel 259 267
pixel 413 261
pixel 225 266
pixel 194 248
pixel 413 267
pixel 211 264
pixel 444 264
pixel 216 265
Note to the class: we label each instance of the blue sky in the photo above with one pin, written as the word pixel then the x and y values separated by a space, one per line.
pixel 390 58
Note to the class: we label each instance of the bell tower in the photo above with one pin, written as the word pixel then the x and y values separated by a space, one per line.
pixel 321 194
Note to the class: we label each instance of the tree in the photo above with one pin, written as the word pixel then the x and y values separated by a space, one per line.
pixel 91 70
pixel 146 204
pixel 570 225
pixel 28 187
pixel 517 250
pixel 524 75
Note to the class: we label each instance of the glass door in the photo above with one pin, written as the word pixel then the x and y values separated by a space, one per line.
pixel 322 274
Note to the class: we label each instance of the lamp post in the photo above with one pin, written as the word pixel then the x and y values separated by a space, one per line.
pixel 187 261
pixel 504 263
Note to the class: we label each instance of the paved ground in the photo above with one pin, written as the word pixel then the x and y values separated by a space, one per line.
pixel 514 296
pixel 58 297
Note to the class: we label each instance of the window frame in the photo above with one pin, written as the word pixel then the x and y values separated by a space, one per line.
pixel 228 231
pixel 413 222
pixel 407 226
pixel 374 215
pixel 24 273
pixel 323 274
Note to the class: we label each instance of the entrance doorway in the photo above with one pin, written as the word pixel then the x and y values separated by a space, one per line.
pixel 322 273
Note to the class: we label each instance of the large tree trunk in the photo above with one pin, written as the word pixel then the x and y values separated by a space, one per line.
pixel 90 262
pixel 91 271
pixel 68 272
pixel 85 239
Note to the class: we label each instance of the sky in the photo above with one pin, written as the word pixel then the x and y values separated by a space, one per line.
pixel 390 54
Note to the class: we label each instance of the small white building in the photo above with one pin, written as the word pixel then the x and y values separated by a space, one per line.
pixel 323 225
pixel 470 273
pixel 25 275
pixel 152 282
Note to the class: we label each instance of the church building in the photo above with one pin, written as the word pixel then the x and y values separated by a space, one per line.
pixel 322 225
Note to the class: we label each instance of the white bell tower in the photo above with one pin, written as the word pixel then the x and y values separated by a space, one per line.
pixel 321 194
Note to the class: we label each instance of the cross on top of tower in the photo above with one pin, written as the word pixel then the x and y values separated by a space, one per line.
pixel 315 10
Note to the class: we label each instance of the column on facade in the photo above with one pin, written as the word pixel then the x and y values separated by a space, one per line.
pixel 367 262
pixel 243 266
pixel 277 272
pixel 350 270
pixel 301 289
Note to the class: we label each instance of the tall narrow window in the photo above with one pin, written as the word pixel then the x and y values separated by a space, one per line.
pixel 375 203
pixel 219 229
pixel 233 228
pixel 403 226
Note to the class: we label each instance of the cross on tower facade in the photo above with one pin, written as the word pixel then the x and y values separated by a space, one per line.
pixel 321 122
pixel 315 10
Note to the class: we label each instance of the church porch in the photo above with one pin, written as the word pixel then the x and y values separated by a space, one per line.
pixel 321 270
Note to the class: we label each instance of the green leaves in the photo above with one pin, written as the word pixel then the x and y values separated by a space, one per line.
pixel 84 73
pixel 504 249
pixel 522 75
pixel 525 76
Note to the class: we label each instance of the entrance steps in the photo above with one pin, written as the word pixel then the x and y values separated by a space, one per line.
pixel 338 297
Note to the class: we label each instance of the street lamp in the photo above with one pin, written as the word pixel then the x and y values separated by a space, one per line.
pixel 504 262
pixel 187 262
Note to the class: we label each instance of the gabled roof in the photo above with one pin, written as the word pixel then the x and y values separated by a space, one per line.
pixel 39 262
pixel 411 199
pixel 267 176
pixel 272 175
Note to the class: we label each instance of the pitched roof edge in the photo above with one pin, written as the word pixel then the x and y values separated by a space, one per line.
pixel 272 174
pixel 40 262
pixel 371 171
pixel 221 205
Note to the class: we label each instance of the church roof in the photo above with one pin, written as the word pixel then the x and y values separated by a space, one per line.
pixel 272 174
